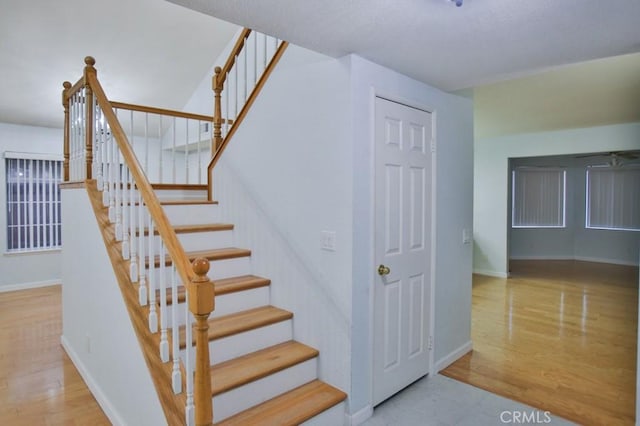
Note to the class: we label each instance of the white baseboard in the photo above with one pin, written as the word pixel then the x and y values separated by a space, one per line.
pixel 453 356
pixel 359 417
pixel 543 257
pixel 578 258
pixel 491 273
pixel 95 389
pixel 611 261
pixel 26 286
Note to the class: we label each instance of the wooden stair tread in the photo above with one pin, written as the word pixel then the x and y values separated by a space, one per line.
pixel 224 286
pixel 291 408
pixel 212 254
pixel 189 229
pixel 168 202
pixel 180 186
pixel 256 365
pixel 228 325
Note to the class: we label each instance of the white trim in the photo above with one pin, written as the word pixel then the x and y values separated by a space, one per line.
pixel 27 286
pixel 601 260
pixel 578 258
pixel 542 257
pixel 359 417
pixel 35 251
pixel 93 386
pixel 32 156
pixel 453 356
pixel 488 273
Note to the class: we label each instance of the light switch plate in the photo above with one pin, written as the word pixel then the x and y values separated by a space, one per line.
pixel 467 237
pixel 328 240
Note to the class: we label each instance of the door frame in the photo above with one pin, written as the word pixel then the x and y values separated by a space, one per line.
pixel 375 93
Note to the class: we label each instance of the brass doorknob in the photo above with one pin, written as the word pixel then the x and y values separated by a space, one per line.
pixel 383 270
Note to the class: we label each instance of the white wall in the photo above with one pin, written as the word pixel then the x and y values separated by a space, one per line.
pixel 574 241
pixel 453 200
pixel 290 167
pixel 491 177
pixel 37 268
pixel 301 164
pixel 96 329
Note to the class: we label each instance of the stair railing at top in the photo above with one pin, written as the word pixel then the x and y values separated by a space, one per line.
pixel 97 146
pixel 237 84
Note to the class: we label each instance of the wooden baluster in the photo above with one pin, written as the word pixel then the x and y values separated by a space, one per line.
pixel 186 150
pixel 162 272
pixel 153 314
pixel 176 376
pixel 201 304
pixel 217 113
pixel 133 266
pixel 159 144
pixel 188 364
pixel 89 108
pixel 99 143
pixel 65 104
pixel 173 152
pixel 142 274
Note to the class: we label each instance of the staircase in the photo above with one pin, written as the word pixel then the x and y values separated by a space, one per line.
pixel 204 320
pixel 259 374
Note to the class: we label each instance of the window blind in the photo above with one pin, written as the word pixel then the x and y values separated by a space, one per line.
pixel 538 197
pixel 33 203
pixel 613 198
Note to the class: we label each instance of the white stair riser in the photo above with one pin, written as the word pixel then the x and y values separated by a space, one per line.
pixel 181 194
pixel 192 213
pixel 181 214
pixel 244 343
pixel 170 194
pixel 333 416
pixel 230 268
pixel 193 241
pixel 219 269
pixel 227 303
pixel 236 400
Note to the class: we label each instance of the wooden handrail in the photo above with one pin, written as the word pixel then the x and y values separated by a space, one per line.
pixel 243 112
pixel 173 245
pixel 237 48
pixel 161 111
pixel 200 288
pixel 75 88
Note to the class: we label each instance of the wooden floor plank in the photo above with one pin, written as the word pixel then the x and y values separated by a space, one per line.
pixel 39 384
pixel 558 335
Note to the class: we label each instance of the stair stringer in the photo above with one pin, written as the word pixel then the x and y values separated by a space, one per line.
pixel 121 362
pixel 318 320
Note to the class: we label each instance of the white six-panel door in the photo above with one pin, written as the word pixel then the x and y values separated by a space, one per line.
pixel 403 245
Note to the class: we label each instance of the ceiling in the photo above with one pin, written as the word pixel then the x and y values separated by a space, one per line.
pixel 154 52
pixel 449 47
pixel 148 52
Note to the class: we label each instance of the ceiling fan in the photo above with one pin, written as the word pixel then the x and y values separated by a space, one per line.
pixel 615 157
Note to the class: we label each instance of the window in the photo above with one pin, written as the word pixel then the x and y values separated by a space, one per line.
pixel 33 202
pixel 613 198
pixel 538 197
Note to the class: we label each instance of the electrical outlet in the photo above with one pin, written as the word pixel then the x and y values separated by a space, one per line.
pixel 467 237
pixel 328 240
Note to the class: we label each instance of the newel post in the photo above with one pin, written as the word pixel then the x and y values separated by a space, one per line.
pixel 65 104
pixel 89 106
pixel 217 111
pixel 201 304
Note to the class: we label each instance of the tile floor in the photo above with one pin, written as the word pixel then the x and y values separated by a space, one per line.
pixel 441 401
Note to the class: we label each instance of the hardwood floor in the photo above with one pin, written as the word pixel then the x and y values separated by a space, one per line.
pixel 39 384
pixel 557 335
